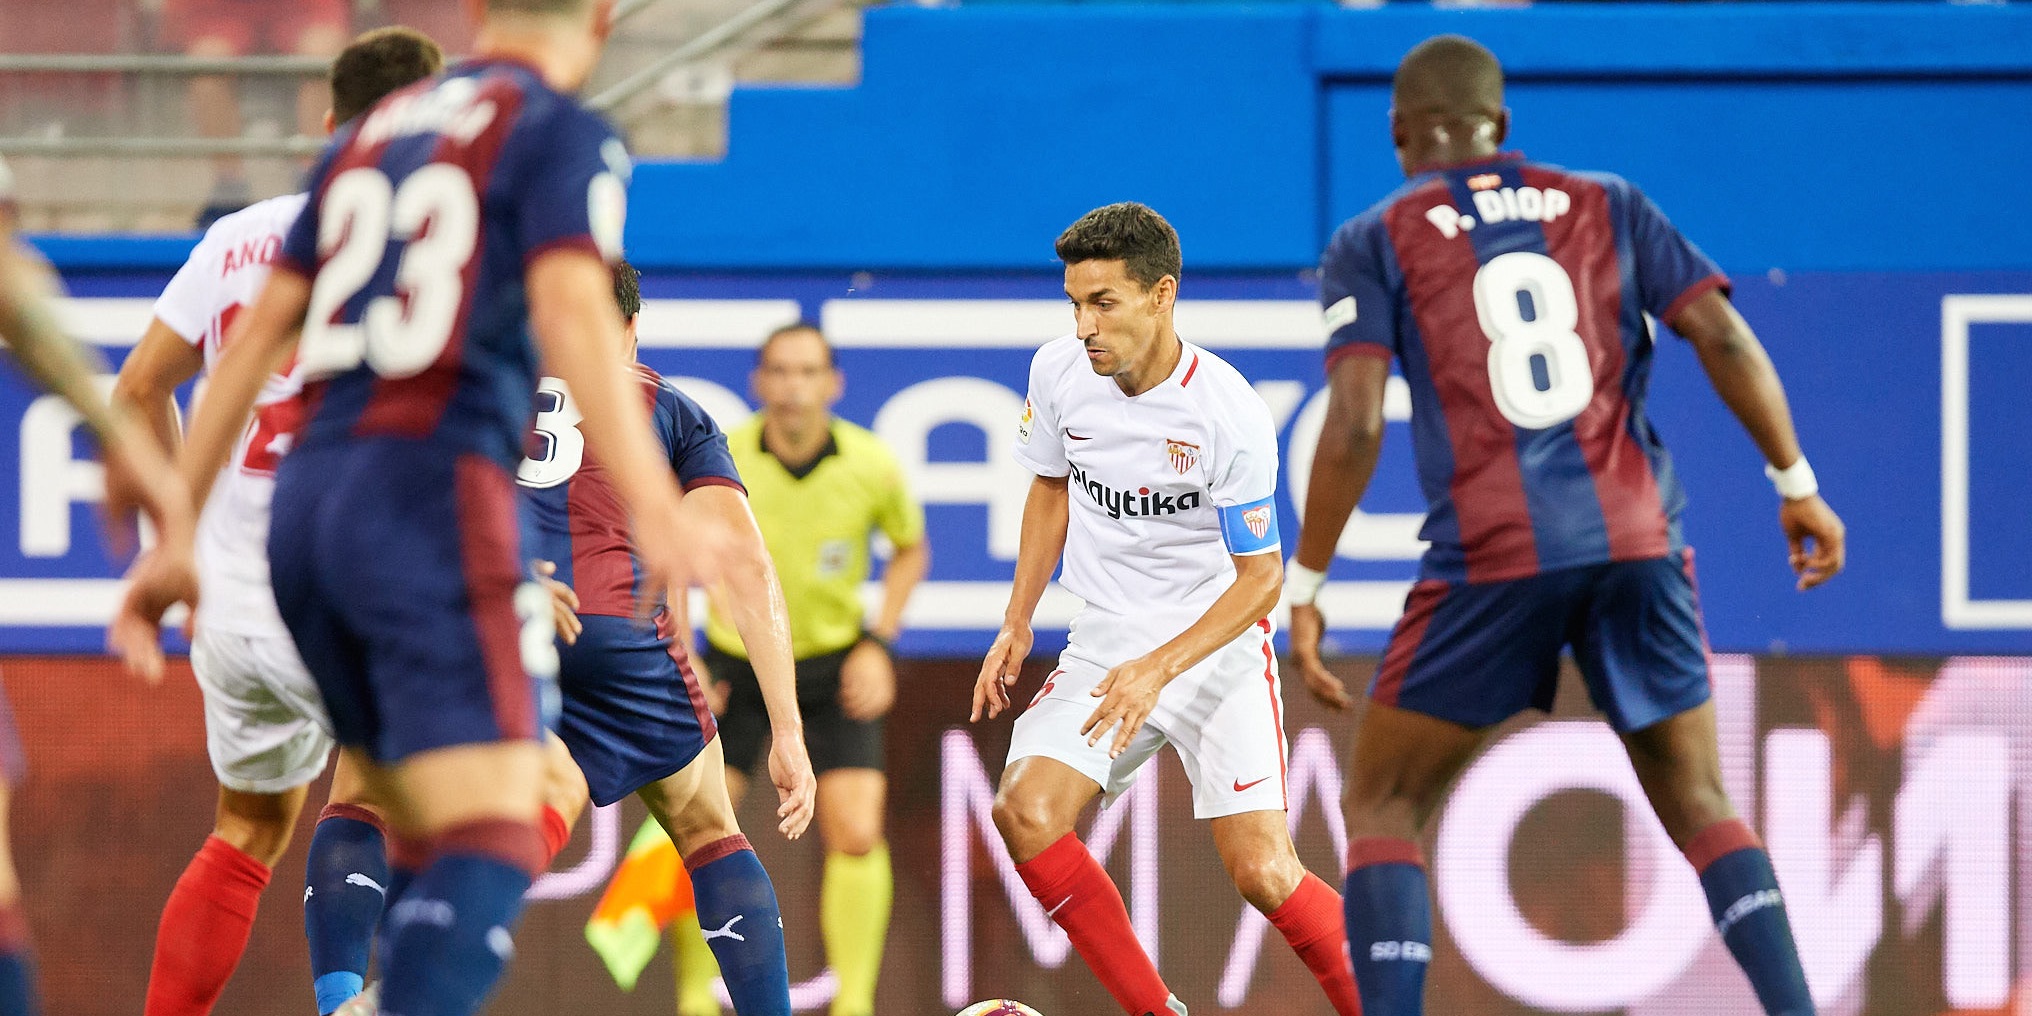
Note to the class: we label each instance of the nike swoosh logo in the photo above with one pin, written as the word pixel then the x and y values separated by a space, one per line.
pixel 1240 786
pixel 1053 912
pixel 1077 437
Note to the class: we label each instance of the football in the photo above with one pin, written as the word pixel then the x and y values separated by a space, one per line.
pixel 998 1007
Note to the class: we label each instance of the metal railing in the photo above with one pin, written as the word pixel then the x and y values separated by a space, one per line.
pixel 154 63
pixel 709 44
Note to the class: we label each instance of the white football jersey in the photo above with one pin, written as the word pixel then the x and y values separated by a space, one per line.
pixel 1164 488
pixel 223 275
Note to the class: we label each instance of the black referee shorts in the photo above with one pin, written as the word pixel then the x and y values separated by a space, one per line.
pixel 834 741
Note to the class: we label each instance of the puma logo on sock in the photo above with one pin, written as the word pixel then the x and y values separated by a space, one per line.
pixel 727 930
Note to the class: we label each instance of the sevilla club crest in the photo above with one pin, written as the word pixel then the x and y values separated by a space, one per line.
pixel 1258 519
pixel 1184 455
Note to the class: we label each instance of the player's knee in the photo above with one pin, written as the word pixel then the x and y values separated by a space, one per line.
pixel 565 789
pixel 1028 824
pixel 261 835
pixel 1389 812
pixel 1692 807
pixel 1265 878
pixel 855 837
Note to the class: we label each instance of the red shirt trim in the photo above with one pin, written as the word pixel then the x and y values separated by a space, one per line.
pixel 1339 353
pixel 715 481
pixel 1692 293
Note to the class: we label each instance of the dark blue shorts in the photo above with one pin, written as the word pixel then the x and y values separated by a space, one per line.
pixel 395 565
pixel 1477 654
pixel 633 710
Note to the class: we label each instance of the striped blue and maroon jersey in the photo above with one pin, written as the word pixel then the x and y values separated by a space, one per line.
pixel 423 216
pixel 573 516
pixel 1513 296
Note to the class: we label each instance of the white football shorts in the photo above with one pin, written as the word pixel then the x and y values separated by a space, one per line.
pixel 1225 717
pixel 265 724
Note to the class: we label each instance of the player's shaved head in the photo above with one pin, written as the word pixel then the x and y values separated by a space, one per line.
pixel 1446 104
pixel 377 63
pixel 1448 75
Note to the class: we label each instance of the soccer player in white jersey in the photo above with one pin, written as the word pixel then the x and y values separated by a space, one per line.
pixel 265 724
pixel 1156 480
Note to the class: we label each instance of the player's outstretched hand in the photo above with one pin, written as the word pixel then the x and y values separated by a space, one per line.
pixel 1817 538
pixel 1000 671
pixel 1308 626
pixel 564 603
pixel 796 787
pixel 1127 695
pixel 165 575
pixel 867 682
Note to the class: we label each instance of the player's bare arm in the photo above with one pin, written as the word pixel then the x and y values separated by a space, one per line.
pixel 1342 466
pixel 1742 374
pixel 753 598
pixel 568 291
pixel 1043 540
pixel 1130 691
pixel 162 578
pixel 907 567
pixel 867 675
pixel 146 387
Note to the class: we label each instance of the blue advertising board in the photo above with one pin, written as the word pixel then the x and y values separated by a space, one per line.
pixel 1907 388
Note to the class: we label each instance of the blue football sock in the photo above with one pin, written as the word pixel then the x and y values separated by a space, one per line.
pixel 448 937
pixel 17 984
pixel 1749 912
pixel 1389 918
pixel 17 965
pixel 345 884
pixel 737 911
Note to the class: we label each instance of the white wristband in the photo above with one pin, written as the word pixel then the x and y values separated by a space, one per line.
pixel 1795 481
pixel 1301 584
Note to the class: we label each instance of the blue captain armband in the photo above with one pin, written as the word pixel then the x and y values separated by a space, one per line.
pixel 1250 528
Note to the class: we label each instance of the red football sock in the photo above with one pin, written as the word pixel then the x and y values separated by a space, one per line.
pixel 204 930
pixel 1079 895
pixel 556 833
pixel 1310 919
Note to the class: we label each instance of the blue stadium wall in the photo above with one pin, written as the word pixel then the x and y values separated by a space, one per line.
pixel 1859 169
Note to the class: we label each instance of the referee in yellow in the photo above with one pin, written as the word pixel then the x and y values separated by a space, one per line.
pixel 821 488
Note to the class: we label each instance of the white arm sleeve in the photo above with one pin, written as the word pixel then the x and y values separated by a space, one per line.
pixel 1040 445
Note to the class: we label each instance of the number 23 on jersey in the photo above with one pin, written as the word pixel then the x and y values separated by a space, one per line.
pixel 435 216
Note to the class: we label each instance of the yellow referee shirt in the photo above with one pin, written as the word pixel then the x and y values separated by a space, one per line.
pixel 817 528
